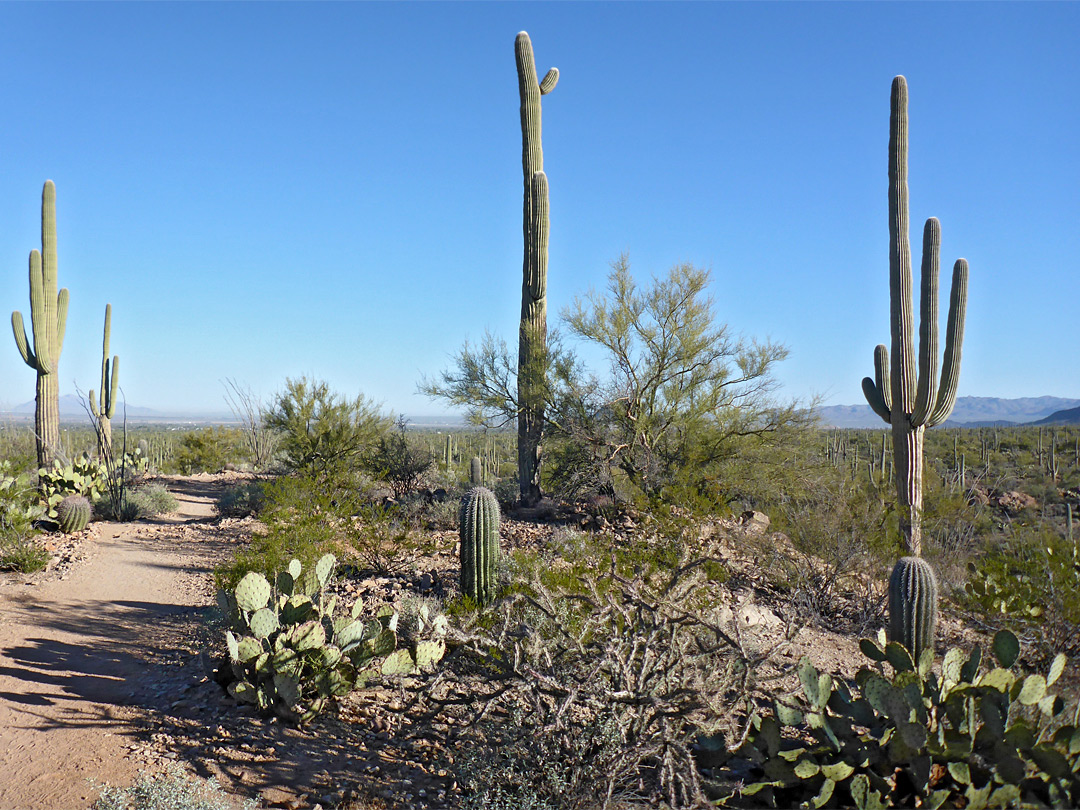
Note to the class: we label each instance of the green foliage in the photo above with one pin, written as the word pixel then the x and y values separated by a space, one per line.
pixel 399 461
pixel 173 790
pixel 321 431
pixel 84 476
pixel 73 514
pixel 1032 582
pixel 21 552
pixel 210 449
pixel 244 499
pixel 291 655
pixel 968 735
pixel 303 521
pixel 479 534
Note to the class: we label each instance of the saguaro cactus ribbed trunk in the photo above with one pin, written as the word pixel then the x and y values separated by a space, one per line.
pixel 48 318
pixel 532 333
pixel 105 407
pixel 911 402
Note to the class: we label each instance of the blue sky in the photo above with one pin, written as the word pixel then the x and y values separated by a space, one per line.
pixel 269 190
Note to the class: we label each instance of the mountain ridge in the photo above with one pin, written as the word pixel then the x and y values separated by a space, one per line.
pixel 968 412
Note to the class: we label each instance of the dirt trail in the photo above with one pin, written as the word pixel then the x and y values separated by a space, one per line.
pixel 84 652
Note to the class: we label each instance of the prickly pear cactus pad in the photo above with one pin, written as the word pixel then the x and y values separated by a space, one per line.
pixel 289 653
pixel 907 734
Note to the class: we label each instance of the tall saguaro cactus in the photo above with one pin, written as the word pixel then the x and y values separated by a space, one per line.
pixel 48 317
pixel 103 406
pixel 909 400
pixel 532 333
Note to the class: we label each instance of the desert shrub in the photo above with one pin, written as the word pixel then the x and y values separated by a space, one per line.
pixel 321 432
pixel 244 499
pixel 506 491
pixel 1031 582
pixel 173 790
pixel 154 499
pixel 210 450
pixel 587 684
pixel 304 519
pixel 144 502
pixel 21 552
pixel 971 735
pixel 398 461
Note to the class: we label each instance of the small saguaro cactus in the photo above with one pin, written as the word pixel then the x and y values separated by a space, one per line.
pixel 913 597
pixel 532 332
pixel 476 473
pixel 73 514
pixel 48 318
pixel 103 407
pixel 479 532
pixel 911 402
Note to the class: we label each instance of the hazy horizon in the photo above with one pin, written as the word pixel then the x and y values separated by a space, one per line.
pixel 266 191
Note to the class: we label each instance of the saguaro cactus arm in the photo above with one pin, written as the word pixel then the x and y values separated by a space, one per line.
pixel 106 404
pixel 954 340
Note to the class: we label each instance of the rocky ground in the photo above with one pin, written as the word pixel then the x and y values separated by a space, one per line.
pixel 106 662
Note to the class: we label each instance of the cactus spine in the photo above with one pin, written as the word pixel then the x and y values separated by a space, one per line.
pixel 73 514
pixel 913 595
pixel 479 532
pixel 911 403
pixel 103 407
pixel 48 317
pixel 532 332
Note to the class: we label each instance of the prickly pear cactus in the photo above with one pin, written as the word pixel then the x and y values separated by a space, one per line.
pixel 964 734
pixel 479 532
pixel 73 514
pixel 290 653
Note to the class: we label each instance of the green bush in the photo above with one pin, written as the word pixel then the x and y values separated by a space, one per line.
pixel 21 552
pixel 303 519
pixel 966 736
pixel 321 432
pixel 142 502
pixel 244 499
pixel 210 450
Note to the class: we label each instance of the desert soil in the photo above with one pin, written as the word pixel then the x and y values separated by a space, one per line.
pixel 106 661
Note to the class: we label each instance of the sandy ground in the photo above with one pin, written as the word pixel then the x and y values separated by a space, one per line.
pixel 85 652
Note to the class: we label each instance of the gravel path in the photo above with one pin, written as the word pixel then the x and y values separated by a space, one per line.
pixel 84 652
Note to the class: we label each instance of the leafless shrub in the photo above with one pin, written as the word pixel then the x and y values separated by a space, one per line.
pixel 589 688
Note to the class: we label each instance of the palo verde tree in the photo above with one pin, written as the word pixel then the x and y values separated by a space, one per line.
pixel 681 387
pixel 532 333
pixel 680 392
pixel 910 399
pixel 48 317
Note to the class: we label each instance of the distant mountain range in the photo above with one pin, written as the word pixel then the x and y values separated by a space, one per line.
pixel 969 412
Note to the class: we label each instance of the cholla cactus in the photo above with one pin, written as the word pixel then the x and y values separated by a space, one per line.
pixel 908 401
pixel 479 531
pixel 73 514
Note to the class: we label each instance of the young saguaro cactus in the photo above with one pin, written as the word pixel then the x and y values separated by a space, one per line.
pixel 479 532
pixel 913 596
pixel 909 400
pixel 103 406
pixel 532 332
pixel 48 318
